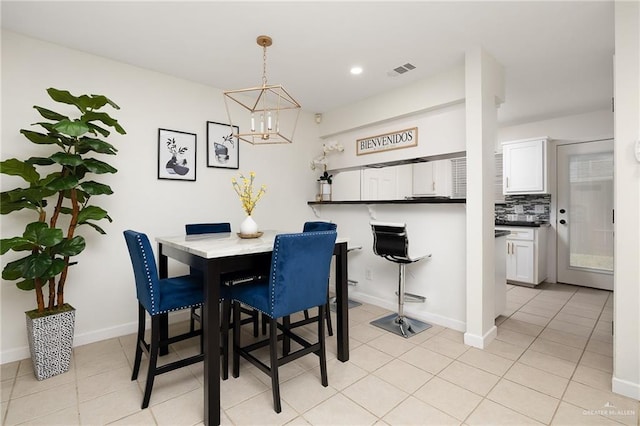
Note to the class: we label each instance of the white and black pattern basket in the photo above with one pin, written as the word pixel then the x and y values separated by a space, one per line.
pixel 50 343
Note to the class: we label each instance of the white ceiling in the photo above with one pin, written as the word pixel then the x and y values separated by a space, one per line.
pixel 557 55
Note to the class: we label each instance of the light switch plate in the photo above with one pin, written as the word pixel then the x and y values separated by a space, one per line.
pixel 539 208
pixel 519 209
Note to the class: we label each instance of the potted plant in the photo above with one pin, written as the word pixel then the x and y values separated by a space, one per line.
pixel 62 201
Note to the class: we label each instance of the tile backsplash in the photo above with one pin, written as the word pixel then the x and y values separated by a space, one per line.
pixel 537 205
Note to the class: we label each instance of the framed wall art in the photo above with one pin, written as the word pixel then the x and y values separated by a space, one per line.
pixel 176 155
pixel 223 149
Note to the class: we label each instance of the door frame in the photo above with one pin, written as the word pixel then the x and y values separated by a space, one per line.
pixel 553 217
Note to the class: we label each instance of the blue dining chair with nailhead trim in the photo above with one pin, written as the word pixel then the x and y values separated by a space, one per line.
pixel 320 226
pixel 298 280
pixel 158 297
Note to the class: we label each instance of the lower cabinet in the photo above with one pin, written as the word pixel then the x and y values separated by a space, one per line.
pixel 520 261
pixel 525 255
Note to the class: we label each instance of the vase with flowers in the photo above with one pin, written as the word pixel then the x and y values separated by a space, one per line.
pixel 325 179
pixel 249 199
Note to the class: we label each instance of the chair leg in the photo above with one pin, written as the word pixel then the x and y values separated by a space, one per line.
pixel 265 320
pixel 254 316
pixel 226 314
pixel 286 340
pixel 192 325
pixel 327 310
pixel 323 349
pixel 273 355
pixel 236 339
pixel 153 359
pixel 139 341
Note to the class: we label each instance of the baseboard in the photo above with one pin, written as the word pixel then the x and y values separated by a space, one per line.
pixel 17 354
pixel 419 315
pixel 481 342
pixel 626 388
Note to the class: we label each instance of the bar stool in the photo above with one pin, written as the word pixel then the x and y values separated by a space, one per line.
pixel 390 241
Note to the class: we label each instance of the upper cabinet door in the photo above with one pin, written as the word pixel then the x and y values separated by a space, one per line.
pixel 525 166
pixel 432 178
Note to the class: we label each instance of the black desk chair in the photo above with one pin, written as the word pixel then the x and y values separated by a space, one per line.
pixel 390 241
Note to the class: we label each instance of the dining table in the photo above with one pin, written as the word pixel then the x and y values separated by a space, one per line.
pixel 222 253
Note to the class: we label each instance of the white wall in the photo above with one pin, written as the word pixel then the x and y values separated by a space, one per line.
pixel 101 285
pixel 438 229
pixel 626 315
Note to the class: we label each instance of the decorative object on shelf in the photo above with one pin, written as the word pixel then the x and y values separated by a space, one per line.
pixel 62 202
pixel 268 110
pixel 389 141
pixel 324 181
pixel 248 227
pixel 222 146
pixel 176 155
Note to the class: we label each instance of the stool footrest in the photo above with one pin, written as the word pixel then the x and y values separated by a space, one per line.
pixel 415 298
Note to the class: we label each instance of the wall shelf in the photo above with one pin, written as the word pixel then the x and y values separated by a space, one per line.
pixel 416 200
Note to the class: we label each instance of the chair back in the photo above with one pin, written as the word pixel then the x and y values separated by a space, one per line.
pixel 299 274
pixel 144 269
pixel 207 228
pixel 319 226
pixel 390 241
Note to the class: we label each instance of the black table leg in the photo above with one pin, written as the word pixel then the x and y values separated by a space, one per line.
pixel 342 302
pixel 211 336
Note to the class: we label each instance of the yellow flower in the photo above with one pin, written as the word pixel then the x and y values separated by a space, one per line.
pixel 247 198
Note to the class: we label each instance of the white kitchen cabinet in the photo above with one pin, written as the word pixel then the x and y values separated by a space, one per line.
pixel 432 178
pixel 525 166
pixel 385 183
pixel 525 255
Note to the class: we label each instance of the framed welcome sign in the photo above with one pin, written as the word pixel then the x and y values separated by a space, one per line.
pixel 389 141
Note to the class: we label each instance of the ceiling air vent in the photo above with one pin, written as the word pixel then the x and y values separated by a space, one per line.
pixel 401 70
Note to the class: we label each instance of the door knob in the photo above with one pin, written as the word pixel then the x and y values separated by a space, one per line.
pixel 563 211
pixel 562 221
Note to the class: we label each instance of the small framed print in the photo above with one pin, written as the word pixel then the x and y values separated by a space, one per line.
pixel 176 155
pixel 223 149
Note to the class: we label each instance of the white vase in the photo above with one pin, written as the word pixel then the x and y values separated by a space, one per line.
pixel 248 226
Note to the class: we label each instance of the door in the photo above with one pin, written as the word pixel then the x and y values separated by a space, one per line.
pixel 585 214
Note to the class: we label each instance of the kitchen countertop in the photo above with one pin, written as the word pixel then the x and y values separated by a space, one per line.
pixel 507 223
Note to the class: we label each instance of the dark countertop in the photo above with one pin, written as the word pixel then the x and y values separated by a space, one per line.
pixel 501 233
pixel 520 223
pixel 413 200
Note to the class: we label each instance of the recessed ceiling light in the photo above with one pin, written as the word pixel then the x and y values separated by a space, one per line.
pixel 356 70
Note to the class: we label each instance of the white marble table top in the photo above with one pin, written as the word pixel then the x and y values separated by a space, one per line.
pixel 223 244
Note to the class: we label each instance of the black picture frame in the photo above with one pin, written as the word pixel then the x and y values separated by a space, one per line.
pixel 176 155
pixel 223 149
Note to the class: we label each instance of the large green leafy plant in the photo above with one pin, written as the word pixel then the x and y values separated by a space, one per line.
pixel 61 198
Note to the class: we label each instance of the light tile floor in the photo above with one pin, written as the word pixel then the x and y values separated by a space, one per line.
pixel 550 364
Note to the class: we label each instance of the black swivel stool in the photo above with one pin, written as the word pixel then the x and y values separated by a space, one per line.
pixel 390 241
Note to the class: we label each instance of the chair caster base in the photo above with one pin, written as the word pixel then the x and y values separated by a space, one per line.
pixel 402 326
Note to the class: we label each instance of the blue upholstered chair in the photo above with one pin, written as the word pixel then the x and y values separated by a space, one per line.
pixel 321 226
pixel 215 228
pixel 158 297
pixel 297 281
